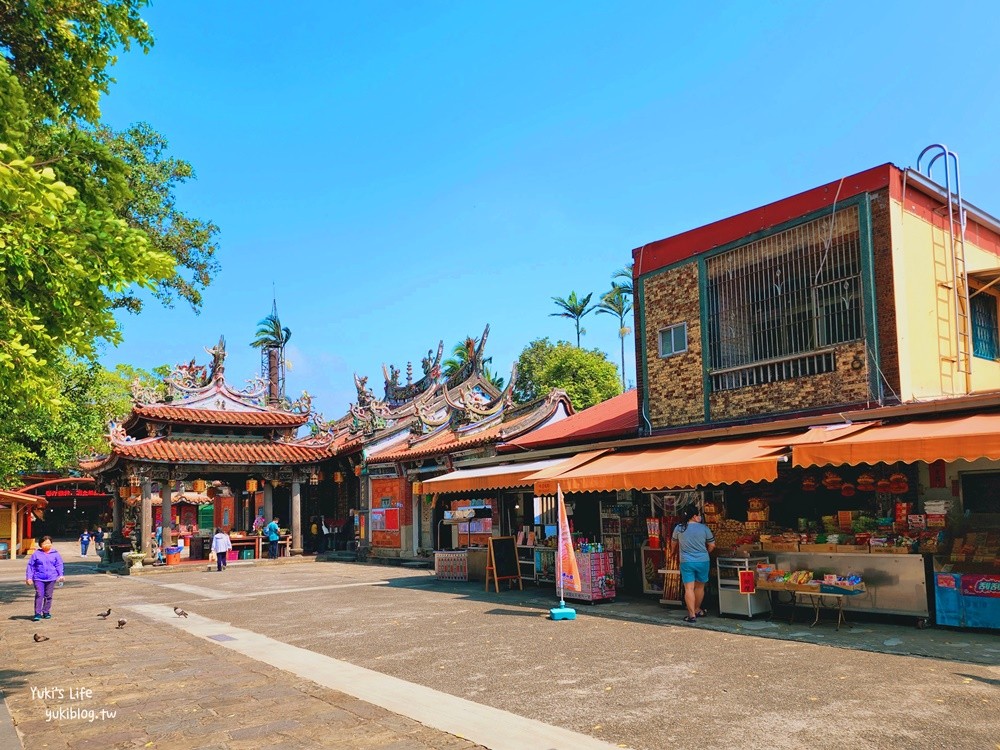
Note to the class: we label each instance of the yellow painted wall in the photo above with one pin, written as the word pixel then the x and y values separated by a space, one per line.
pixel 925 312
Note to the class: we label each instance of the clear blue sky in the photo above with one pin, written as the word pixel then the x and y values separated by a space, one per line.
pixel 406 172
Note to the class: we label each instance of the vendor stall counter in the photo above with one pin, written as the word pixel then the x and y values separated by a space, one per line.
pixel 731 601
pixel 461 564
pixel 896 584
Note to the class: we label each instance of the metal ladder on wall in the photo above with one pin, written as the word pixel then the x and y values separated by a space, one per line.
pixel 956 234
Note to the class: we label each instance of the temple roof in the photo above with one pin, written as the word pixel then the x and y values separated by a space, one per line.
pixel 447 438
pixel 212 451
pixel 189 415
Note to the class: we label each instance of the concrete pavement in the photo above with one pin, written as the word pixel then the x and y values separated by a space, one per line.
pixel 627 675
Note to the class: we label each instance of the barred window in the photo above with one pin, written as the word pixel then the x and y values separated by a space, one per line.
pixel 791 294
pixel 984 326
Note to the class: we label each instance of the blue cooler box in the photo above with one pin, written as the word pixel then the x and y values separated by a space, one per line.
pixel 948 599
pixel 981 600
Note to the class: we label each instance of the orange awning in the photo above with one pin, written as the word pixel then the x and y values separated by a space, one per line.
pixel 966 437
pixel 485 477
pixel 727 462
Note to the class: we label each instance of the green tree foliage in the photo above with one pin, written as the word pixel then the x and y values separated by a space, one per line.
pixel 587 376
pixel 61 265
pixel 574 309
pixel 39 436
pixel 87 216
pixel 617 303
pixel 625 276
pixel 62 51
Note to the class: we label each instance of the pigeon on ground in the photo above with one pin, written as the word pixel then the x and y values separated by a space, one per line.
pixel 40 638
pixel 121 623
pixel 104 615
pixel 180 612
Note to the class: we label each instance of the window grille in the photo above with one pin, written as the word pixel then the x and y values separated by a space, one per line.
pixel 673 340
pixel 772 372
pixel 985 342
pixel 774 300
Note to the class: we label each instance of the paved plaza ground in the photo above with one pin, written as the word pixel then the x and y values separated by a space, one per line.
pixel 344 655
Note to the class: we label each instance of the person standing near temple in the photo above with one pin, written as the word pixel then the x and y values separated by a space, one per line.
pixel 221 544
pixel 99 540
pixel 273 534
pixel 84 543
pixel 696 542
pixel 45 568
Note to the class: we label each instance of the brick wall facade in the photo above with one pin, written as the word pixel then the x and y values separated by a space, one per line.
pixel 674 384
pixel 848 384
pixel 885 309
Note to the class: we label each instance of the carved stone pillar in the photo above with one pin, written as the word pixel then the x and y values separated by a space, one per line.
pixel 146 521
pixel 296 517
pixel 166 512
pixel 268 502
pixel 116 510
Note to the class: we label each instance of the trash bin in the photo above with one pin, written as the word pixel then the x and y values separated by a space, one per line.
pixel 173 555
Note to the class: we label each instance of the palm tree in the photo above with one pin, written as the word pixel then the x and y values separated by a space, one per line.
pixel 626 274
pixel 270 334
pixel 616 302
pixel 461 353
pixel 271 340
pixel 574 309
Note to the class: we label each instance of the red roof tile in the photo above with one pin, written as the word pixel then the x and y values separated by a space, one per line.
pixel 222 451
pixel 616 417
pixel 180 414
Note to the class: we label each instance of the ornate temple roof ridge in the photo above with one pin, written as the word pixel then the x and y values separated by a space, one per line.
pixel 396 394
pixel 199 394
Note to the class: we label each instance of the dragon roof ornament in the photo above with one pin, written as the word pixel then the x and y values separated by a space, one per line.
pixel 396 394
pixel 369 414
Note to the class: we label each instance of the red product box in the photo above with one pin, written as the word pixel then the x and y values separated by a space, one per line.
pixel 937 520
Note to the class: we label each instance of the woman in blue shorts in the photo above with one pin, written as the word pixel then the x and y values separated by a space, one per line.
pixel 696 542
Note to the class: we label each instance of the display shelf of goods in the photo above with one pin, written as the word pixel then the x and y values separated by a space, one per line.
pixel 672 592
pixel 545 565
pixel 526 562
pixel 653 561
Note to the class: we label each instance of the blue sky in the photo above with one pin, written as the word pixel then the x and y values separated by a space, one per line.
pixel 406 172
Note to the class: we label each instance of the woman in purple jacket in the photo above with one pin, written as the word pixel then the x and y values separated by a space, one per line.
pixel 44 568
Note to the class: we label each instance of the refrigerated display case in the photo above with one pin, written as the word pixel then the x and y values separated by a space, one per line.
pixel 611 538
pixel 731 601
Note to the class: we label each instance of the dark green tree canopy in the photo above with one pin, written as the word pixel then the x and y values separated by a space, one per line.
pixel 585 374
pixel 88 216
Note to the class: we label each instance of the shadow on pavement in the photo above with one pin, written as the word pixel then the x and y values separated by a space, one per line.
pixel 977 678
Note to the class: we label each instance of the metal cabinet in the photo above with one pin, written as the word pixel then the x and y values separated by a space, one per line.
pixel 731 601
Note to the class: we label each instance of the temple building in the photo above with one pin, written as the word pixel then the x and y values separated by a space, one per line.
pixel 425 428
pixel 205 439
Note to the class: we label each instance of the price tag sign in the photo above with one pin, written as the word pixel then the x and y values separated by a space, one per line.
pixel 748 581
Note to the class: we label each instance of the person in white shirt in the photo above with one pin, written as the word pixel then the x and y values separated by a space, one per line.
pixel 221 545
pixel 324 542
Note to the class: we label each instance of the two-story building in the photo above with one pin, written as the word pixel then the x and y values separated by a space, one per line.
pixel 823 371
